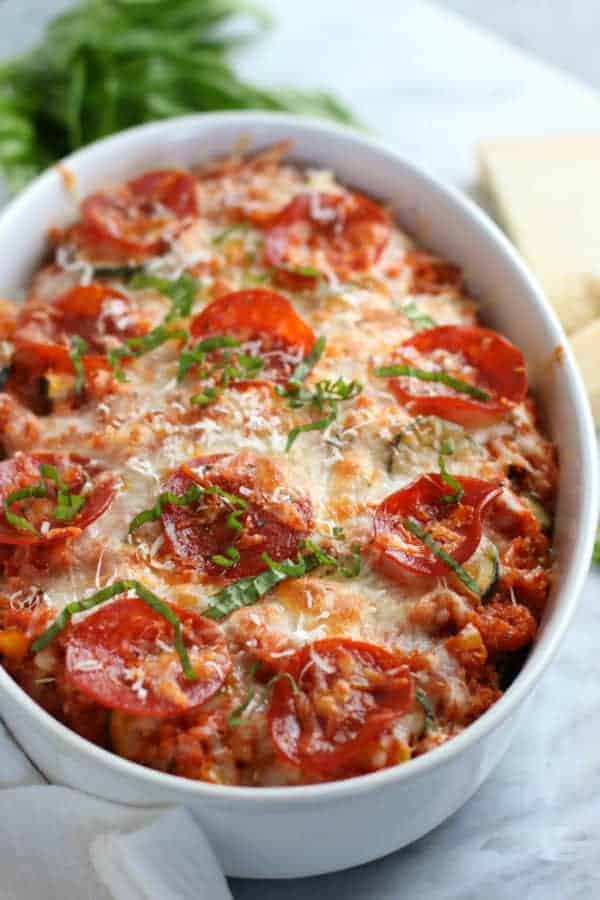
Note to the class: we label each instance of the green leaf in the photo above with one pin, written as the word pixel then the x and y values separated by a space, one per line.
pixel 191 495
pixel 19 522
pixel 247 591
pixel 138 346
pixel 105 65
pixel 447 449
pixel 181 291
pixel 79 347
pixel 420 320
pixel 461 387
pixel 107 593
pixel 305 367
pixel 424 536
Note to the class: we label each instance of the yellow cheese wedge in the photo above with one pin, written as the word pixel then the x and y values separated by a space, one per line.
pixel 546 190
pixel 586 345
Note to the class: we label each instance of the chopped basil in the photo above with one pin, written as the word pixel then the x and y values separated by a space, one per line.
pixel 305 367
pixel 304 271
pixel 229 559
pixel 138 346
pixel 235 716
pixel 192 494
pixel 325 396
pixel 68 504
pixel 439 376
pixel 78 348
pixel 424 536
pixel 181 291
pixel 338 533
pixel 596 552
pixel 425 702
pixel 107 593
pixel 348 571
pixel 19 522
pixel 420 320
pixel 248 590
pixel 447 449
pixel 222 236
pixel 194 356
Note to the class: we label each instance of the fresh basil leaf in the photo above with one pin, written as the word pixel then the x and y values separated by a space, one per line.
pixel 79 347
pixel 438 375
pixel 181 291
pixel 424 536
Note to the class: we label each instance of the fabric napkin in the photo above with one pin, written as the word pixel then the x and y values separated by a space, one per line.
pixel 60 844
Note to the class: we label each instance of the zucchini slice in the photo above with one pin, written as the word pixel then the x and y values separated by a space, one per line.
pixel 417 444
pixel 484 567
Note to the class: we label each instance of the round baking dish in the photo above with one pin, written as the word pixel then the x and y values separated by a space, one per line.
pixel 286 832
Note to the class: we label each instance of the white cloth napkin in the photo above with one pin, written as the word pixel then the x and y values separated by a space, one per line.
pixel 60 844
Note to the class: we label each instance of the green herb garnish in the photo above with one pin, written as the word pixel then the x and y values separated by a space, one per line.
pixel 424 536
pixel 181 292
pixel 67 507
pixel 105 65
pixel 224 235
pixel 352 570
pixel 138 346
pixel 325 396
pixel 235 716
pixel 192 495
pixel 107 593
pixel 305 366
pixel 420 320
pixel 447 449
pixel 247 591
pixel 229 559
pixel 196 356
pixel 439 376
pixel 78 348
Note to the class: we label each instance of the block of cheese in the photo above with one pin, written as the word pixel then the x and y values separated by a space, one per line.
pixel 586 345
pixel 547 195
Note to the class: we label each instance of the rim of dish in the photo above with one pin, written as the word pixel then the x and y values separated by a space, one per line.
pixel 557 622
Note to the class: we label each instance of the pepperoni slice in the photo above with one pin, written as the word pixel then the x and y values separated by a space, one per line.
pixel 123 657
pixel 132 221
pixel 456 527
pixel 261 318
pixel 99 314
pixel 81 476
pixel 477 356
pixel 274 521
pixel 430 275
pixel 346 695
pixel 347 231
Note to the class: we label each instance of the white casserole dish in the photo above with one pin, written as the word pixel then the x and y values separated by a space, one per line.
pixel 285 832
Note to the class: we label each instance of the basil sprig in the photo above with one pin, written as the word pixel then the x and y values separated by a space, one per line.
pixel 68 505
pixel 447 449
pixel 438 375
pixel 196 356
pixel 248 590
pixel 325 396
pixel 192 495
pixel 78 348
pixel 181 291
pixel 306 365
pixel 430 542
pixel 107 593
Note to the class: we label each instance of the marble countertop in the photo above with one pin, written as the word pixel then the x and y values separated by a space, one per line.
pixel 432 86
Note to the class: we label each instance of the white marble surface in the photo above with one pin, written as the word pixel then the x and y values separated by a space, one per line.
pixel 432 86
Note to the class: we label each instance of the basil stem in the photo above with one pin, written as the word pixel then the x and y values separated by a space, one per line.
pixel 192 494
pixel 447 449
pixel 439 376
pixel 107 593
pixel 424 536
pixel 181 291
pixel 78 348
pixel 305 366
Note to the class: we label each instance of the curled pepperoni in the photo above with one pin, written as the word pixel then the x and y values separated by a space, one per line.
pixel 262 318
pixel 133 220
pixel 456 527
pixel 329 715
pixel 271 518
pixel 479 357
pixel 347 231
pixel 103 316
pixel 81 476
pixel 123 657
